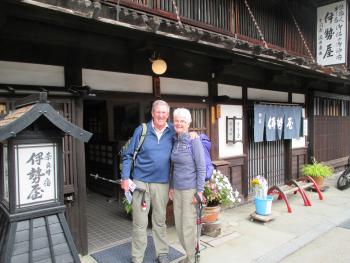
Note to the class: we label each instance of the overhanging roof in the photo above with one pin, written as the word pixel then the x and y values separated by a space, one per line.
pixel 18 120
pixel 124 17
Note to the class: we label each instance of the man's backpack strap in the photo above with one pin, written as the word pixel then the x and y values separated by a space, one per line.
pixel 142 139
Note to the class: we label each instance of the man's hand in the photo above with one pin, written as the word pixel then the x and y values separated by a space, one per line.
pixel 193 135
pixel 171 194
pixel 125 185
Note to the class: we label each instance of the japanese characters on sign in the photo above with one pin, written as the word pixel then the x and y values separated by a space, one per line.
pixel 276 122
pixel 234 130
pixel 36 174
pixel 238 129
pixel 332 34
pixel 229 130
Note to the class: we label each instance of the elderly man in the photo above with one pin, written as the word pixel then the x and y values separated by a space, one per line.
pixel 151 173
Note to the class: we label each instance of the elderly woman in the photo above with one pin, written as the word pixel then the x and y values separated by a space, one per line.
pixel 187 179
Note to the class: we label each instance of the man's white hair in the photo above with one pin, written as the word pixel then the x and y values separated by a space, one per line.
pixel 183 113
pixel 159 103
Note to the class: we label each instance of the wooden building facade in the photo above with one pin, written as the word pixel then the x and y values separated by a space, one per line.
pixel 223 57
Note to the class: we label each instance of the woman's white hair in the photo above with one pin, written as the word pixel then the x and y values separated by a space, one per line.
pixel 183 113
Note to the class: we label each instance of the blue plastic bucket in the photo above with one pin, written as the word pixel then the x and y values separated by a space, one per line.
pixel 263 206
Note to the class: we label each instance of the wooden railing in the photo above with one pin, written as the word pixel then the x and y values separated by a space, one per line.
pixel 231 17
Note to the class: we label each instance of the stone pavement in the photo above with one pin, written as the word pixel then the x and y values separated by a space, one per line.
pixel 242 240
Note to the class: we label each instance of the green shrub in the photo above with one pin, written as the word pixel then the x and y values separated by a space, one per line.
pixel 317 169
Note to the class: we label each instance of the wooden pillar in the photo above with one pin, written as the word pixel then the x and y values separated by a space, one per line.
pixel 76 208
pixel 288 153
pixel 311 123
pixel 82 239
pixel 287 160
pixel 246 128
pixel 214 127
pixel 156 87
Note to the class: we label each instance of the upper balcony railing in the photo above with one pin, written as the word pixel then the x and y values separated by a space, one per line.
pixel 232 17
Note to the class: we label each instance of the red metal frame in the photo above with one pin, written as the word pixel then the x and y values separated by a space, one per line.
pixel 310 180
pixel 282 195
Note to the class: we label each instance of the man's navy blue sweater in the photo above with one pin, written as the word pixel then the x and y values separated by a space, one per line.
pixel 152 163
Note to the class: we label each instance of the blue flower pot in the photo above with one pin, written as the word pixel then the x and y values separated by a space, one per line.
pixel 263 206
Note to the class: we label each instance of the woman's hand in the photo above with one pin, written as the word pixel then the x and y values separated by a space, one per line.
pixel 171 194
pixel 193 135
pixel 194 199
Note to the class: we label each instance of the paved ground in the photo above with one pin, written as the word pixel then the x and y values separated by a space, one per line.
pixel 245 241
pixel 331 247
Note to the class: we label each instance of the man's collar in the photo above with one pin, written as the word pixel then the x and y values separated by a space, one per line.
pixel 166 125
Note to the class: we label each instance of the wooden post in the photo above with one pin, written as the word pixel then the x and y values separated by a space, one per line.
pixel 81 179
pixel 156 87
pixel 311 123
pixel 246 128
pixel 214 128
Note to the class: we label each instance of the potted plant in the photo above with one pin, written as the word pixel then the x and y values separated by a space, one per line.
pixel 318 171
pixel 218 192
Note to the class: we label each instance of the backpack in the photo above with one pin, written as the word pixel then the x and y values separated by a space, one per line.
pixel 137 149
pixel 209 168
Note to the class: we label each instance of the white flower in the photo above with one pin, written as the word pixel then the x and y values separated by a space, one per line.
pixel 226 193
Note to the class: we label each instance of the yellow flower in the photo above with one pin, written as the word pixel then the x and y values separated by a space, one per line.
pixel 255 182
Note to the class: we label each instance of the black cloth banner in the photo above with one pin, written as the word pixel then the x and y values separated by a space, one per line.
pixel 276 122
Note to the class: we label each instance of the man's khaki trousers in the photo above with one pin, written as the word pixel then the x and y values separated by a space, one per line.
pixel 156 196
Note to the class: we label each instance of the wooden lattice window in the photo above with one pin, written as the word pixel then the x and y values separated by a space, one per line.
pixel 65 108
pixel 331 126
pixel 331 107
pixel 199 114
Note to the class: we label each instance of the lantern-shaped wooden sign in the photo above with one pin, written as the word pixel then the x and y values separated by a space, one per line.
pixel 31 196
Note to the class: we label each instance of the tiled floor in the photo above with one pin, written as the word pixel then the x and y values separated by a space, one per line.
pixel 107 223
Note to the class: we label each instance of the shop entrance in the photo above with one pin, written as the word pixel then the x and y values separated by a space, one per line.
pixel 265 158
pixel 112 123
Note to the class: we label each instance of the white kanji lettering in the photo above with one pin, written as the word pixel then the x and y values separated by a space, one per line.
pixel 290 123
pixel 280 123
pixel 271 124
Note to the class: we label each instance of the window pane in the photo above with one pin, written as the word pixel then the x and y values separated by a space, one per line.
pixel 199 118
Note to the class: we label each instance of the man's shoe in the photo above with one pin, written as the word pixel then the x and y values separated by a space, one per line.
pixel 163 258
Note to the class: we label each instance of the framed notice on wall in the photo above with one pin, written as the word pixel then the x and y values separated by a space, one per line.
pixel 229 130
pixel 238 123
pixel 234 130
